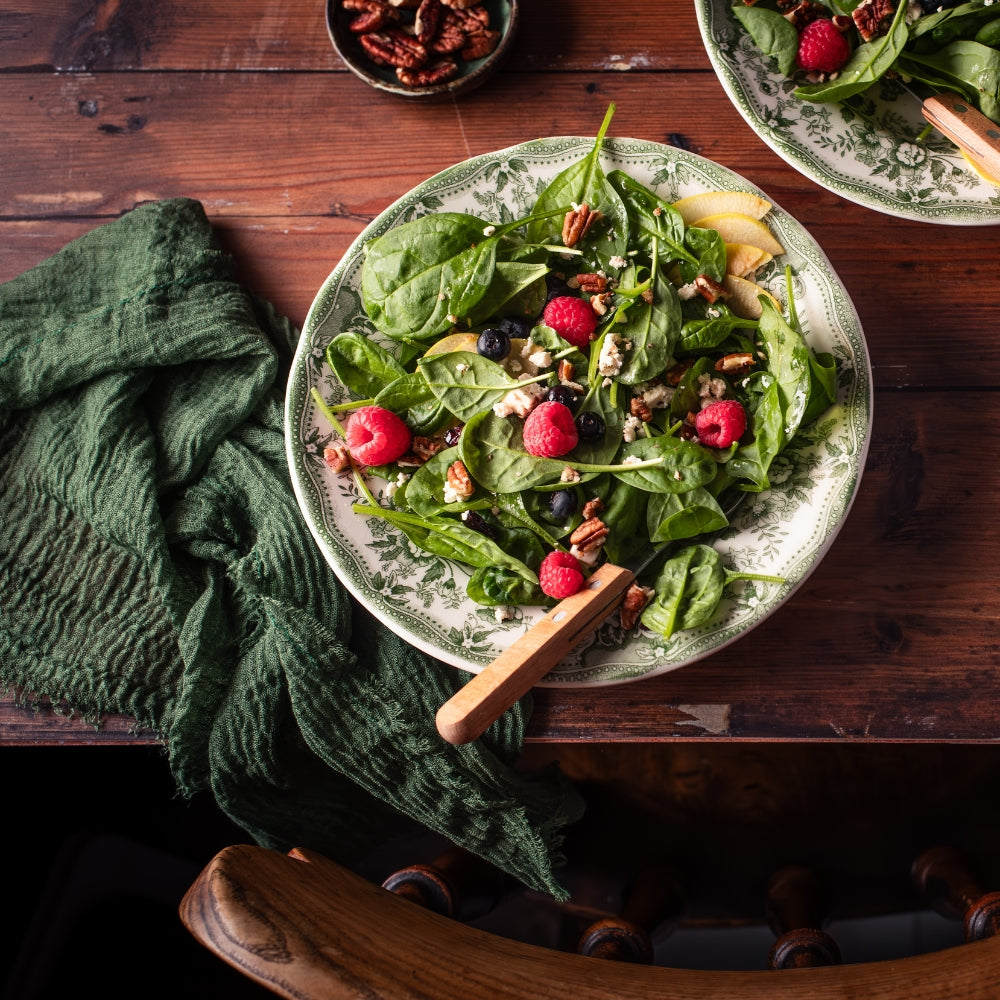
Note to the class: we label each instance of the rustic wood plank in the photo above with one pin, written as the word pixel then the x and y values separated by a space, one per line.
pixel 266 35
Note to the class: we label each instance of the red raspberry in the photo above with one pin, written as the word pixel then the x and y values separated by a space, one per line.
pixel 822 47
pixel 560 575
pixel 549 430
pixel 376 436
pixel 572 318
pixel 721 423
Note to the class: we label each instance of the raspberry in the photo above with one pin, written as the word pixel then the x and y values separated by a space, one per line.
pixel 572 318
pixel 560 575
pixel 721 423
pixel 822 47
pixel 549 430
pixel 376 436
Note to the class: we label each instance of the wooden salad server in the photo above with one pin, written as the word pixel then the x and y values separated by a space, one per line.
pixel 975 135
pixel 471 710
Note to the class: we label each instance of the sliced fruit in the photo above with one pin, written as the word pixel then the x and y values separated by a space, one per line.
pixel 697 206
pixel 459 341
pixel 734 227
pixel 743 296
pixel 979 170
pixel 743 259
pixel 453 342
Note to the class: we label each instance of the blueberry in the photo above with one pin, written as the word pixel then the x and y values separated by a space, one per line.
pixel 513 326
pixel 590 425
pixel 451 436
pixel 562 504
pixel 493 343
pixel 563 394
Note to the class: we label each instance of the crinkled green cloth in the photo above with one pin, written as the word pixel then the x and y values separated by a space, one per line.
pixel 154 562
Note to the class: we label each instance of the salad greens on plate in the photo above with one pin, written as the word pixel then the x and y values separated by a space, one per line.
pixel 640 466
pixel 477 251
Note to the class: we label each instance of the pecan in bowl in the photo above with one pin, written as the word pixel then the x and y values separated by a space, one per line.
pixel 422 48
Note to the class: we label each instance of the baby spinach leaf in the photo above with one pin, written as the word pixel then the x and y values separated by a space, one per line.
pixel 683 465
pixel 651 218
pixel 653 329
pixel 584 183
pixel 517 289
pixel 625 508
pixel 417 275
pixel 788 360
pixel 465 382
pixel 822 385
pixel 496 585
pixel 492 449
pixel 699 335
pixel 688 591
pixel 753 460
pixel 671 516
pixel 407 391
pixel 709 251
pixel 774 34
pixel 970 67
pixel 362 366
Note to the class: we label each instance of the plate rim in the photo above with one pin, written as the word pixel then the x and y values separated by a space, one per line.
pixel 862 383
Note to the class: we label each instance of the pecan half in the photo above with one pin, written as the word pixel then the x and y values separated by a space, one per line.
pixel 592 507
pixel 873 17
pixel 336 456
pixel 460 4
pixel 565 371
pixel 590 535
pixel 735 364
pixel 426 447
pixel 459 479
pixel 708 288
pixel 636 598
pixel 450 35
pixel 373 15
pixel 802 13
pixel 479 44
pixel 427 19
pixel 394 48
pixel 638 407
pixel 676 373
pixel 592 282
pixel 577 224
pixel 427 76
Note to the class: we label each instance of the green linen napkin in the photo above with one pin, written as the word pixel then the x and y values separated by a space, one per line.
pixel 153 562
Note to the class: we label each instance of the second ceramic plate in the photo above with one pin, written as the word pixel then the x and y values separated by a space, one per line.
pixel 864 149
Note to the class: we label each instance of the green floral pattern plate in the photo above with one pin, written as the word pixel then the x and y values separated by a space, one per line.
pixel 784 531
pixel 864 149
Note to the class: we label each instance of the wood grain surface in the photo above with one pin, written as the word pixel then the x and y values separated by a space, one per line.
pixel 245 106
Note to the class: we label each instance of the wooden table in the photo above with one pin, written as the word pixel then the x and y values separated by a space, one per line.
pixel 246 107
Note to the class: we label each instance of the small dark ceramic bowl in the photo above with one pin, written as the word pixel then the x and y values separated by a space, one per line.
pixel 471 73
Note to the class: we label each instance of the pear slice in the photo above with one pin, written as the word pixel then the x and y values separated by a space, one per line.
pixel 743 260
pixel 743 296
pixel 734 227
pixel 697 206
pixel 459 341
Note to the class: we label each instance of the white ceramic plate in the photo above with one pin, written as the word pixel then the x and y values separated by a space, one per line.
pixel 863 149
pixel 783 532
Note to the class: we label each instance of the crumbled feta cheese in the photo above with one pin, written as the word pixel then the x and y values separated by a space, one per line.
pixel 658 397
pixel 589 557
pixel 569 475
pixel 540 359
pixel 631 460
pixel 520 401
pixel 611 360
pixel 461 367
pixel 451 495
pixel 504 613
pixel 631 428
pixel 618 261
pixel 452 318
pixel 489 230
pixel 390 490
pixel 710 388
pixel 688 291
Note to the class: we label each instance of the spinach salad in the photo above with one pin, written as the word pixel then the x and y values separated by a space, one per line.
pixel 939 46
pixel 437 286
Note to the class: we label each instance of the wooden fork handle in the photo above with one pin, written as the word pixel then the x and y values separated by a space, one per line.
pixel 969 129
pixel 470 711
